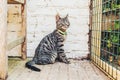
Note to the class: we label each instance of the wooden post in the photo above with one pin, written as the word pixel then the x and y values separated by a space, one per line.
pixel 23 53
pixel 3 31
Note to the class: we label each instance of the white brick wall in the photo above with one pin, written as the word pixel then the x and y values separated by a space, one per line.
pixel 41 21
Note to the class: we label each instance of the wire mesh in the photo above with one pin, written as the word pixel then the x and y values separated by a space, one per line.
pixel 105 38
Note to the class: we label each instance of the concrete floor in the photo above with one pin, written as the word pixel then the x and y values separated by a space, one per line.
pixel 77 70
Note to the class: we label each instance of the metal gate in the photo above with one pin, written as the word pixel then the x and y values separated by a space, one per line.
pixel 105 36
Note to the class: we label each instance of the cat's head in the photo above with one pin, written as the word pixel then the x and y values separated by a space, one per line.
pixel 62 23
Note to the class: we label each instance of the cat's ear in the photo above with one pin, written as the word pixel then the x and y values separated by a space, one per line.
pixel 57 17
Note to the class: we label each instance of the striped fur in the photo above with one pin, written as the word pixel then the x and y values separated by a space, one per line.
pixel 50 47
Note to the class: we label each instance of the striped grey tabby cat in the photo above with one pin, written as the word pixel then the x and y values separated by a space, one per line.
pixel 50 48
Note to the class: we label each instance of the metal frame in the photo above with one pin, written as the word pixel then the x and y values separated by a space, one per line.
pixel 105 37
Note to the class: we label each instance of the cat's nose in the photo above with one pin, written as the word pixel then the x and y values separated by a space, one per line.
pixel 64 27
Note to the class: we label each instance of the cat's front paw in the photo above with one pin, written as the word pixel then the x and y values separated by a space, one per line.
pixel 68 62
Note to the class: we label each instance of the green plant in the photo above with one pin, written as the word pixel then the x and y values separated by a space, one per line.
pixel 117 25
pixel 113 4
pixel 119 50
pixel 106 7
pixel 109 43
pixel 113 38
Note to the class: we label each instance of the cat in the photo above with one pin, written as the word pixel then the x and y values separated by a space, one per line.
pixel 50 47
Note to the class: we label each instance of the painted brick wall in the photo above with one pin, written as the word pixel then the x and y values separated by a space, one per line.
pixel 41 21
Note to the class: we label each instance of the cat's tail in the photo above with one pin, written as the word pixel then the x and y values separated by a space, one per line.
pixel 30 64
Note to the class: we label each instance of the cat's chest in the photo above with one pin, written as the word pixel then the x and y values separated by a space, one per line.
pixel 62 37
